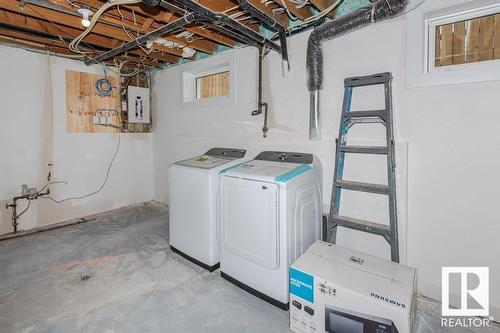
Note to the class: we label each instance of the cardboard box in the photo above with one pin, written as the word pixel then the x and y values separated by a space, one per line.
pixel 338 290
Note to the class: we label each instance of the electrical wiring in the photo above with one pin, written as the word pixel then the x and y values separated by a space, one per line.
pixel 26 209
pixel 73 4
pixel 56 26
pixel 132 38
pixel 119 12
pixel 300 4
pixel 73 46
pixel 324 12
pixel 105 178
pixel 133 16
pixel 103 86
pixel 51 183
pixel 316 17
pixel 290 15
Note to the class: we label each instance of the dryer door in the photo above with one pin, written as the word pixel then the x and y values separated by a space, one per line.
pixel 250 221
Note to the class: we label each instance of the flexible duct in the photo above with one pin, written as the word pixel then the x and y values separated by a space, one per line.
pixel 378 11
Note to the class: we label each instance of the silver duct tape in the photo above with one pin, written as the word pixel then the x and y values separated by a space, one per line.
pixel 314 126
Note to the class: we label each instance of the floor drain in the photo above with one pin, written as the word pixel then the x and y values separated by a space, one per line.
pixel 85 277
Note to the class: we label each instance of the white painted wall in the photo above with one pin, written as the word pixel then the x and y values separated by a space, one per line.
pixel 80 159
pixel 449 133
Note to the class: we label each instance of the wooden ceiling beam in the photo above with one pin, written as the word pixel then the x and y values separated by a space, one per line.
pixel 75 21
pixel 38 46
pixel 302 13
pixel 37 25
pixel 168 17
pixel 139 23
pixel 137 60
pixel 155 18
pixel 69 20
pixel 226 6
pixel 218 6
pixel 147 24
pixel 31 38
pixel 49 46
pixel 281 19
pixel 322 5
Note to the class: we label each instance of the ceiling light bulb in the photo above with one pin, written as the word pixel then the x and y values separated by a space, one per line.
pixel 85 12
pixel 86 22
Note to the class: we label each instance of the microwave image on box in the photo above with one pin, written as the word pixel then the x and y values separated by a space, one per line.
pixel 344 321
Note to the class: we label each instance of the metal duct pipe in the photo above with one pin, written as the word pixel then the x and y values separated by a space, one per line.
pixel 378 11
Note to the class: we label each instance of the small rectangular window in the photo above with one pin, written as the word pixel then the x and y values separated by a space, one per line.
pixel 464 36
pixel 453 44
pixel 212 85
pixel 468 41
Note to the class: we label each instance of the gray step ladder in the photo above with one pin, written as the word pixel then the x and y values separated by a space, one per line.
pixel 349 118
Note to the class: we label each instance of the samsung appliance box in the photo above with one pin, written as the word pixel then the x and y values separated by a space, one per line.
pixel 338 290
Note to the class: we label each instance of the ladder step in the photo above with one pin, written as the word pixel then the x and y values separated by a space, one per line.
pixel 361 225
pixel 362 187
pixel 368 80
pixel 365 114
pixel 364 149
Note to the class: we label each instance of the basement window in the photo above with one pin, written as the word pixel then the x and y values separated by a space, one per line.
pixel 207 83
pixel 212 85
pixel 464 37
pixel 453 44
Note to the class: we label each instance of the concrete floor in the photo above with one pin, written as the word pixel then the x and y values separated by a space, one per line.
pixel 117 274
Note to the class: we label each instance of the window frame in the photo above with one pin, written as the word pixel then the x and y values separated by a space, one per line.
pixel 213 72
pixel 189 72
pixel 418 71
pixel 436 19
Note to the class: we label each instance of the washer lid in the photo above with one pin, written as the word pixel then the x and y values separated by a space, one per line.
pixel 266 171
pixel 213 158
pixel 205 162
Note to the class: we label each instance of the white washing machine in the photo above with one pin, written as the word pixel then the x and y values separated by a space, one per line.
pixel 194 189
pixel 270 214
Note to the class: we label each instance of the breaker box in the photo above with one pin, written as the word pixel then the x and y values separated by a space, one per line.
pixel 138 105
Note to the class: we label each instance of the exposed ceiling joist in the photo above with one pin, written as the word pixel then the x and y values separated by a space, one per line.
pixel 302 13
pixel 36 25
pixel 322 5
pixel 221 22
pixel 99 28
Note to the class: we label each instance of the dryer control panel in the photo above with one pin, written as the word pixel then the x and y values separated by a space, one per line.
pixel 278 156
pixel 226 153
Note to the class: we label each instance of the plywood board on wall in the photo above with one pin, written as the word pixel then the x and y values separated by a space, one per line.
pixel 83 102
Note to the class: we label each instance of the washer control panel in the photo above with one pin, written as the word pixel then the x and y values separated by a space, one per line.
pixel 226 153
pixel 289 157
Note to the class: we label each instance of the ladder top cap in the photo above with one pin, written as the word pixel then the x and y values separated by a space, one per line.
pixel 358 81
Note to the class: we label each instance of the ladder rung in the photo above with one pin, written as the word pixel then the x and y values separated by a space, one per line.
pixel 362 187
pixel 361 225
pixel 364 149
pixel 368 80
pixel 365 114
